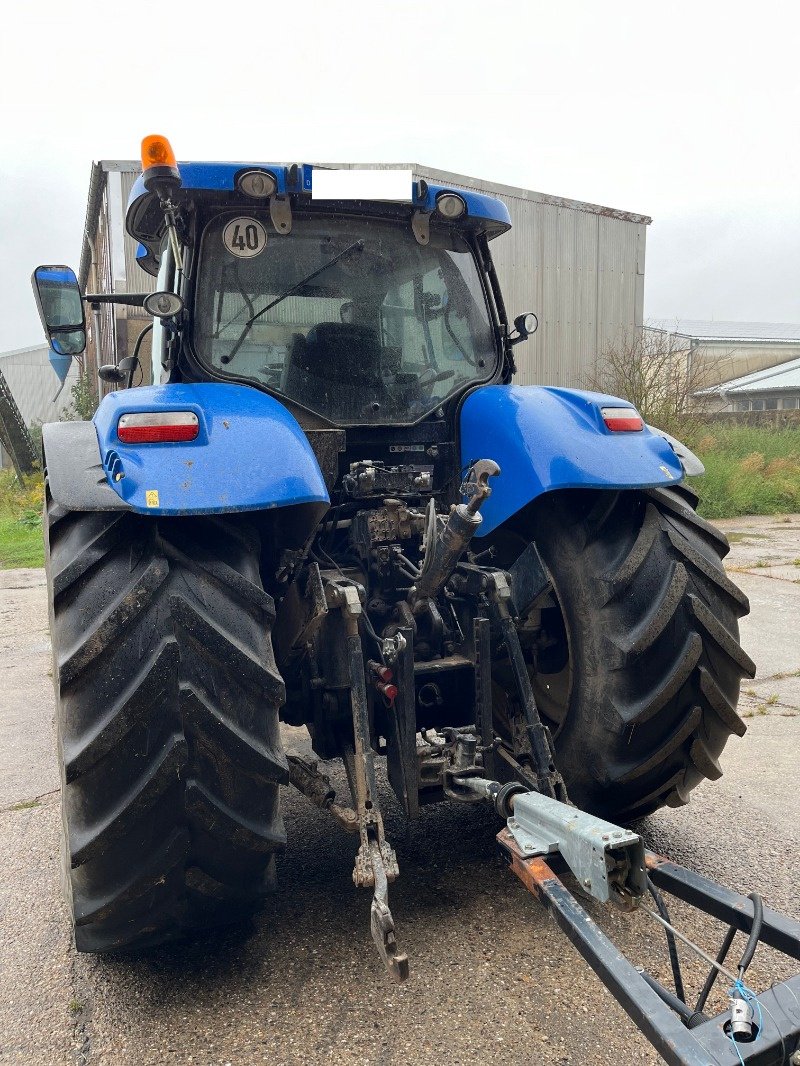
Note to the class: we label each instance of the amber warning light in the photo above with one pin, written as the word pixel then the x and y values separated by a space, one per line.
pixel 158 162
pixel 157 152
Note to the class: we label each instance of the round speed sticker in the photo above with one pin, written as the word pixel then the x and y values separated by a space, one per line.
pixel 244 237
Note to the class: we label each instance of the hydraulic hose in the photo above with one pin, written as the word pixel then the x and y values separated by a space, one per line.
pixel 691 1019
pixel 755 933
pixel 747 954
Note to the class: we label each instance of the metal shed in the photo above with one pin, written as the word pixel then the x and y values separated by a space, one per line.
pixel 579 266
pixel 36 389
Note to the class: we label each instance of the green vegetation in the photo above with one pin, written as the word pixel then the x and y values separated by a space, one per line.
pixel 26 805
pixel 749 470
pixel 83 404
pixel 20 521
pixel 21 541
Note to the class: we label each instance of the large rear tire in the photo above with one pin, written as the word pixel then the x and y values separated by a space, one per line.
pixel 167 710
pixel 640 665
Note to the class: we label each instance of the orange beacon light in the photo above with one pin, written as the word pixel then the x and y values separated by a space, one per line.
pixel 159 166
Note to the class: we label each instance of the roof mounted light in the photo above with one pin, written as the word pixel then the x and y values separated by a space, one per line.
pixel 450 206
pixel 158 427
pixel 259 184
pixel 622 419
pixel 159 166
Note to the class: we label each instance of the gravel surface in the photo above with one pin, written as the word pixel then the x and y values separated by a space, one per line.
pixel 492 978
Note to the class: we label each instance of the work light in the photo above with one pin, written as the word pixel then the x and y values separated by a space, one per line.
pixel 450 206
pixel 259 184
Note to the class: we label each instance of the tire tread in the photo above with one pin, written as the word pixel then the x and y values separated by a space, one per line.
pixel 168 699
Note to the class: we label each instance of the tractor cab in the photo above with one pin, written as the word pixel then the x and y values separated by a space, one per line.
pixel 353 312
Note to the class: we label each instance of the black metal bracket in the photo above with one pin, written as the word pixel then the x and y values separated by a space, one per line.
pixel 548 780
pixel 707 1042
pixel 402 747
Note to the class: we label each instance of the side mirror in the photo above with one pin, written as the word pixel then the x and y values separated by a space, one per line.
pixel 60 305
pixel 525 325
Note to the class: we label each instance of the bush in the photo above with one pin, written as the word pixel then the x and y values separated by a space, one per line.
pixel 749 470
pixel 83 403
pixel 650 368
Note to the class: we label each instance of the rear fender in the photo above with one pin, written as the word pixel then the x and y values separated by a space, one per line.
pixel 547 438
pixel 250 454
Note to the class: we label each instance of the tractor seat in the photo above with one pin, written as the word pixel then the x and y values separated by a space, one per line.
pixel 336 369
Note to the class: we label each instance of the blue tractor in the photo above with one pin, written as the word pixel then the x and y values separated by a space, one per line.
pixel 333 508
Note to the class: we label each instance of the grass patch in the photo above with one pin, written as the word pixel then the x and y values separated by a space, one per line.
pixel 749 470
pixel 20 521
pixel 26 805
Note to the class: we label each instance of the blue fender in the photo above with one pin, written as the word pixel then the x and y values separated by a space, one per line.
pixel 547 438
pixel 250 453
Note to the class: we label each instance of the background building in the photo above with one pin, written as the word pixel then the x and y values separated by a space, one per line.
pixel 579 266
pixel 718 352
pixel 108 264
pixel 35 387
pixel 774 389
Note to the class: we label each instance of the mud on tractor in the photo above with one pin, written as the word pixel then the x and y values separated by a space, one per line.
pixel 333 508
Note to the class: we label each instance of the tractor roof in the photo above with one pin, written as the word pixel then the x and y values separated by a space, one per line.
pixel 145 221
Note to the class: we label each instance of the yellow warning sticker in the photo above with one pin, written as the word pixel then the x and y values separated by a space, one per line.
pixel 151 497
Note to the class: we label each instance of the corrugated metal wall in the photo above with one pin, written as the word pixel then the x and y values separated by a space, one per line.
pixel 136 279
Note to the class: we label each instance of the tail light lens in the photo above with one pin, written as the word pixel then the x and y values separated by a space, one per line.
pixel 157 427
pixel 622 419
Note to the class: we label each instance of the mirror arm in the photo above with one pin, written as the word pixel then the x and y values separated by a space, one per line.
pixel 171 221
pixel 132 299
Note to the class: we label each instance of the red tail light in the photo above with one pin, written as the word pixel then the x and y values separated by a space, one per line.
pixel 622 419
pixel 157 427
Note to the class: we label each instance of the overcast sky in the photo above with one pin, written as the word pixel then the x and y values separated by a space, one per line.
pixel 687 112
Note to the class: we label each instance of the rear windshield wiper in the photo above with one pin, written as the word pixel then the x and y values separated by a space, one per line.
pixel 356 246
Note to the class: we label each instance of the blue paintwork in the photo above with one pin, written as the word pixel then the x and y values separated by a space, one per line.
pixel 250 452
pixel 147 258
pixel 548 438
pixel 60 363
pixel 57 275
pixel 486 213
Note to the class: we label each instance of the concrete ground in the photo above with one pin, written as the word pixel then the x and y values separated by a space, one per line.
pixel 492 978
